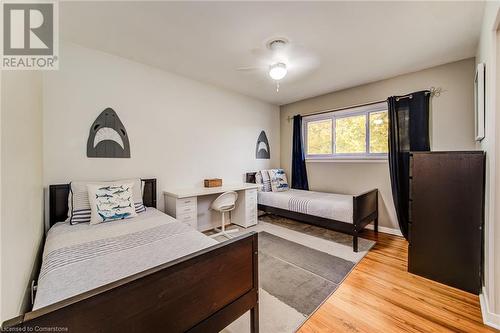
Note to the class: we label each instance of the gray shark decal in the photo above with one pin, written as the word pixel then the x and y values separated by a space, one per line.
pixel 108 137
pixel 262 150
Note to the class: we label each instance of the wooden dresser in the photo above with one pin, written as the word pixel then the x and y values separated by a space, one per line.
pixel 446 217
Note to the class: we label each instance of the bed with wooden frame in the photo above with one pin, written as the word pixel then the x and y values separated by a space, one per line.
pixel 364 208
pixel 201 292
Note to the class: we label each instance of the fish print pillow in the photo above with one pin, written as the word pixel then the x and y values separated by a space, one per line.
pixel 109 202
pixel 279 182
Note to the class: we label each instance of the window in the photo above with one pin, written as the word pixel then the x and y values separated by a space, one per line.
pixel 356 133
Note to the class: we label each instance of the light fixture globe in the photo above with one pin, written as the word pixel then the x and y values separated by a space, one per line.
pixel 277 71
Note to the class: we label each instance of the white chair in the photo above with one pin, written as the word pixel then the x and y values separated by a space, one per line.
pixel 224 203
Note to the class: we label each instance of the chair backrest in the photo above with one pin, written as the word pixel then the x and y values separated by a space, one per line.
pixel 225 202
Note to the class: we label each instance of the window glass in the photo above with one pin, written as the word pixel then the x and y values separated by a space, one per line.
pixel 350 135
pixel 379 130
pixel 319 137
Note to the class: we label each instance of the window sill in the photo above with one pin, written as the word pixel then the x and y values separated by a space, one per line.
pixel 346 160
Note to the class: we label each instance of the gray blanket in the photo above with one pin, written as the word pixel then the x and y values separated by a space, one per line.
pixel 79 258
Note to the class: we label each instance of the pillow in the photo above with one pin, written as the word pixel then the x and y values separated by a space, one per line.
pixel 258 181
pixel 111 202
pixel 266 181
pixel 278 180
pixel 78 200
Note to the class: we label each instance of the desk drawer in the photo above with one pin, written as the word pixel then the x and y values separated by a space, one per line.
pixel 191 201
pixel 189 218
pixel 185 209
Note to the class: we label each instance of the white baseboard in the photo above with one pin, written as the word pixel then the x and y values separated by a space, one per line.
pixel 386 230
pixel 489 318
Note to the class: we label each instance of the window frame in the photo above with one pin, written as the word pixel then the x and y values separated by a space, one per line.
pixel 365 110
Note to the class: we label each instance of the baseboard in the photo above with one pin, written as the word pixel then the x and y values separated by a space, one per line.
pixel 489 318
pixel 386 230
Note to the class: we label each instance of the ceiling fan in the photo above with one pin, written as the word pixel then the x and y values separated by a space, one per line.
pixel 280 56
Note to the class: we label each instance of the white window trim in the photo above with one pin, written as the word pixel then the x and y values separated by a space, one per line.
pixel 355 111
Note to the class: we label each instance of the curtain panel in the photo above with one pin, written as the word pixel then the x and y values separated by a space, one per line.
pixel 408 131
pixel 299 172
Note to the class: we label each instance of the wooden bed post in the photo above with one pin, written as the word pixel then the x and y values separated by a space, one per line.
pixel 355 241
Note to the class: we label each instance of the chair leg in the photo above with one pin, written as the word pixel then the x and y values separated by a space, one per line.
pixel 223 228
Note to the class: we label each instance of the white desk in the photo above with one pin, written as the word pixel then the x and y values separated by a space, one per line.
pixel 192 205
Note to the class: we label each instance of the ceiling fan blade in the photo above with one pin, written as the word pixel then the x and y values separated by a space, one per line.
pixel 249 68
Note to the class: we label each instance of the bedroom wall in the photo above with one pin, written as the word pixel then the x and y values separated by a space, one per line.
pixel 452 128
pixel 488 52
pixel 21 185
pixel 181 131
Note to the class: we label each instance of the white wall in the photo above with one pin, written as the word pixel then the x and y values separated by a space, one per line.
pixel 181 131
pixel 452 128
pixel 21 186
pixel 487 53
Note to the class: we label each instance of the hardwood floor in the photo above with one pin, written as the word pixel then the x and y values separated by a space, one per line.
pixel 379 295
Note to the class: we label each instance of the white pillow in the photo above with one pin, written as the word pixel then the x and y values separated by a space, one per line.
pixel 111 202
pixel 258 181
pixel 266 181
pixel 78 200
pixel 279 182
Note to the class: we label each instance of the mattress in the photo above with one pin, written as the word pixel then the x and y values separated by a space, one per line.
pixel 328 205
pixel 79 258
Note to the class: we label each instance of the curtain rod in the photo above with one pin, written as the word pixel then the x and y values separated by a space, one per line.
pixel 432 91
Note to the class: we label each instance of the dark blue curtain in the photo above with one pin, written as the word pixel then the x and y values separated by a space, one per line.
pixel 408 131
pixel 299 172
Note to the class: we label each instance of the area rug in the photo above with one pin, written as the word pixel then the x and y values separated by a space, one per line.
pixel 299 268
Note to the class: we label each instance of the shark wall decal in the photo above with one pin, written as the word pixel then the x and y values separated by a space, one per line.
pixel 262 149
pixel 108 137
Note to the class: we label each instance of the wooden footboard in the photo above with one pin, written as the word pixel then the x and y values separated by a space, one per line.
pixel 365 210
pixel 202 292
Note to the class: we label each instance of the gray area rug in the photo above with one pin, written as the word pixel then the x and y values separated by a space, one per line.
pixel 297 275
pixel 300 266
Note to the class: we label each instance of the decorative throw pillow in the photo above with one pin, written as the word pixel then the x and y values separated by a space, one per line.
pixel 258 181
pixel 266 181
pixel 78 200
pixel 279 182
pixel 111 202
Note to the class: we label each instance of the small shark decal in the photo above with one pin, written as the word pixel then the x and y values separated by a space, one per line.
pixel 116 216
pixel 121 207
pixel 121 191
pixel 108 137
pixel 97 196
pixel 262 150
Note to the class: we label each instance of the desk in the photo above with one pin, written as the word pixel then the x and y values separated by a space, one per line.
pixel 192 206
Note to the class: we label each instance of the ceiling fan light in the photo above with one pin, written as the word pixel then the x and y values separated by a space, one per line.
pixel 277 71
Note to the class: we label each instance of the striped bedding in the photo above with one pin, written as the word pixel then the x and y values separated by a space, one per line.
pixel 328 205
pixel 81 257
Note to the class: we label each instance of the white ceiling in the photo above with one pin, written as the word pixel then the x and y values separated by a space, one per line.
pixel 351 43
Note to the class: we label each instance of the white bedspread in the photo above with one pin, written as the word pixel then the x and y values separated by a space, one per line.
pixel 79 258
pixel 328 205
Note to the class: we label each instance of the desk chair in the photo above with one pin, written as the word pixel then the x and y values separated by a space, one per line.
pixel 225 202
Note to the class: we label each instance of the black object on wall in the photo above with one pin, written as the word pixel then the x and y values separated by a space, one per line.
pixel 299 171
pixel 446 217
pixel 108 137
pixel 262 149
pixel 408 131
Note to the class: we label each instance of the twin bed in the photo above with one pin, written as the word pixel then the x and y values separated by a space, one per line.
pixel 145 274
pixel 339 212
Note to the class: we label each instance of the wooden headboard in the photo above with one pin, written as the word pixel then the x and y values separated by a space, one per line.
pixel 250 177
pixel 58 199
